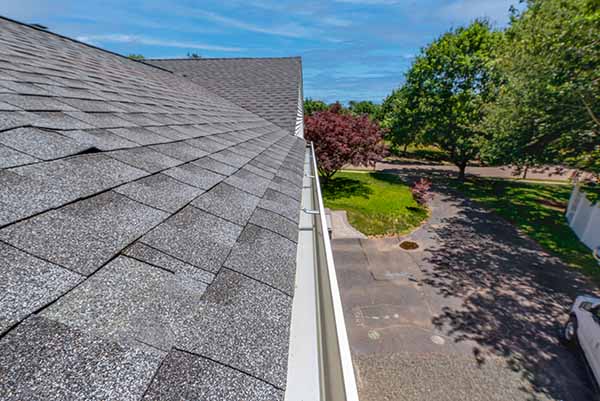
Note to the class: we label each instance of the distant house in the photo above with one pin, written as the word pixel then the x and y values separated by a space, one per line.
pixel 160 230
pixel 583 216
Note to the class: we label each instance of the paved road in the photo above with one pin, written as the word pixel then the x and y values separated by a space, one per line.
pixel 549 174
pixel 473 314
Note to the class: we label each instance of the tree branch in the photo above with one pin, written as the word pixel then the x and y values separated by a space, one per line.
pixel 595 118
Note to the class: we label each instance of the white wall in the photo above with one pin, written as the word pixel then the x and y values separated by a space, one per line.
pixel 584 218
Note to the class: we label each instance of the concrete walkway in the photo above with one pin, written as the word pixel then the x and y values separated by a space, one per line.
pixel 473 314
pixel 342 228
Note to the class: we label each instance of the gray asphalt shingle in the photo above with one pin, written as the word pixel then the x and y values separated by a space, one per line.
pixel 180 151
pixel 99 138
pixel 11 158
pixel 41 144
pixel 265 256
pixel 184 376
pixel 160 191
pixel 195 175
pixel 35 103
pixel 275 222
pixel 228 157
pixel 139 135
pixel 138 214
pixel 228 202
pixel 28 283
pixel 144 158
pixel 244 324
pixel 249 182
pixel 37 187
pixel 145 253
pixel 216 166
pixel 56 120
pixel 269 87
pixel 100 120
pixel 83 236
pixel 281 204
pixel 46 360
pixel 132 300
pixel 196 237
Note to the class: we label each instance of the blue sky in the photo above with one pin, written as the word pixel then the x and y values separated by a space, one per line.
pixel 351 49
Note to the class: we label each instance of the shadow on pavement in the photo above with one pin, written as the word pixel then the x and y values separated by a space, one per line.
pixel 516 296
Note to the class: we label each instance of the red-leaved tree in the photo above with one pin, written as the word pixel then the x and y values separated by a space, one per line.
pixel 342 138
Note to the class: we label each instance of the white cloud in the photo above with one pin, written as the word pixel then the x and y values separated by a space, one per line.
pixel 335 21
pixel 143 40
pixel 467 10
pixel 291 29
pixel 370 2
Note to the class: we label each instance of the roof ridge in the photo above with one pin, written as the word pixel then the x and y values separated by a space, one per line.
pixel 139 62
pixel 36 28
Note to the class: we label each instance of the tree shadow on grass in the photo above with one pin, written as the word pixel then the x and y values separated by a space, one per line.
pixel 514 295
pixel 342 187
pixel 387 177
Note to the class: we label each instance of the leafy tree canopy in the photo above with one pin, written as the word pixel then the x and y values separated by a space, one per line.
pixel 343 138
pixel 364 107
pixel 313 106
pixel 445 89
pixel 398 116
pixel 136 56
pixel 548 105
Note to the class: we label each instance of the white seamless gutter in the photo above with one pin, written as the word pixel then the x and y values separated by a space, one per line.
pixel 319 364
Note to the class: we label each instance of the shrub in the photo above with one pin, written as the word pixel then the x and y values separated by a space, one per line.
pixel 421 191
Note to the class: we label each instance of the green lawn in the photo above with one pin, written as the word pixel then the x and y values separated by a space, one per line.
pixel 377 203
pixel 539 211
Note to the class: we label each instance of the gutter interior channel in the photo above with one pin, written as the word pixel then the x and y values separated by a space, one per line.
pixel 319 361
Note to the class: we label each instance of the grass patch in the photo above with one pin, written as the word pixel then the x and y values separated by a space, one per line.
pixel 377 203
pixel 592 192
pixel 539 211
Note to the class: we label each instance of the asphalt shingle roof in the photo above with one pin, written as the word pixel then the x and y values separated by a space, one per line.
pixel 148 227
pixel 268 87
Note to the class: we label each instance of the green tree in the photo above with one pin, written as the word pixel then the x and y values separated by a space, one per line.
pixel 312 106
pixel 365 107
pixel 399 118
pixel 136 56
pixel 448 83
pixel 193 55
pixel 548 108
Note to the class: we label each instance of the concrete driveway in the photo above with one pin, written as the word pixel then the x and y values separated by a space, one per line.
pixel 473 314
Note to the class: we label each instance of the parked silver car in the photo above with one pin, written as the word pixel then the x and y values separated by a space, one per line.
pixel 583 328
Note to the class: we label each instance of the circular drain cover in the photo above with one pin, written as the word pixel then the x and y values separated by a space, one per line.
pixel 409 245
pixel 438 340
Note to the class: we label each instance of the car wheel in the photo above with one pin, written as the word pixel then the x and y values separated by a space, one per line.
pixel 569 332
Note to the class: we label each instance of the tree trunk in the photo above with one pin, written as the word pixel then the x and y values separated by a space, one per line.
pixel 326 177
pixel 461 171
pixel 525 171
pixel 405 148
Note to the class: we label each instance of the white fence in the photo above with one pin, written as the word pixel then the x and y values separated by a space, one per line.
pixel 584 218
